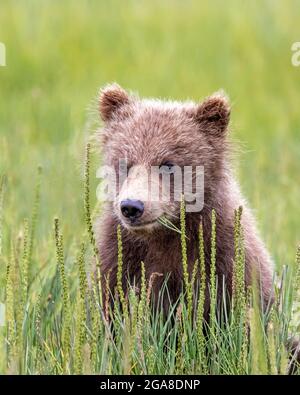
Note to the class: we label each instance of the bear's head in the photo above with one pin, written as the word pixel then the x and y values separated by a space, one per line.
pixel 159 151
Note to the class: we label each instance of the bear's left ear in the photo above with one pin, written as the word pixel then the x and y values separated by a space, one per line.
pixel 214 114
pixel 112 97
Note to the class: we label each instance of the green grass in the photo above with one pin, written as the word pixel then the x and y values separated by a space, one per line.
pixel 58 55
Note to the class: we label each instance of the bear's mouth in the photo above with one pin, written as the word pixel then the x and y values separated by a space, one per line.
pixel 140 224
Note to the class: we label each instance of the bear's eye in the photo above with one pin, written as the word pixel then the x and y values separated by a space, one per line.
pixel 167 167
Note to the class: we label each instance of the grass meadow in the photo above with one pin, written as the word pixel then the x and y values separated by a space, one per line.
pixel 58 54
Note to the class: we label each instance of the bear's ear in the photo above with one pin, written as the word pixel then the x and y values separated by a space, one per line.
pixel 112 98
pixel 214 114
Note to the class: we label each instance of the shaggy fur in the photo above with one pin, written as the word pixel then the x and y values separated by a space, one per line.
pixel 152 132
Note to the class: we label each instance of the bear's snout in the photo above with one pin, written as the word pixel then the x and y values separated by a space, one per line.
pixel 132 209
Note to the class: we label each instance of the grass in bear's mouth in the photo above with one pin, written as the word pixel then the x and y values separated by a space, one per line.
pixel 164 221
pixel 56 323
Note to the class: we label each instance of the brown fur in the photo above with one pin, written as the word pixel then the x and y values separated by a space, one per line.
pixel 150 132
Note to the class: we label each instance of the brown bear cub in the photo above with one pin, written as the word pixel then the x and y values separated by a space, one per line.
pixel 163 135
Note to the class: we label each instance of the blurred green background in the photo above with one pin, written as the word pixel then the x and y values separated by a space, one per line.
pixel 60 53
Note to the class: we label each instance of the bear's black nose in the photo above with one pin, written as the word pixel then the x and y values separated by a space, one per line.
pixel 132 209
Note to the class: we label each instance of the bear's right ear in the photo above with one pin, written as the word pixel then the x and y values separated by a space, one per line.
pixel 112 98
